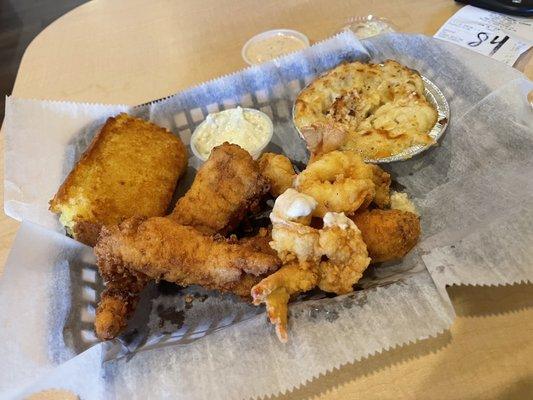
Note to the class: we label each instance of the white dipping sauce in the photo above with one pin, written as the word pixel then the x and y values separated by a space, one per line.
pixel 291 205
pixel 247 128
pixel 272 47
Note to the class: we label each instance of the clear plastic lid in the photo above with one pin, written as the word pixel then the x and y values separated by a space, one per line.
pixel 368 26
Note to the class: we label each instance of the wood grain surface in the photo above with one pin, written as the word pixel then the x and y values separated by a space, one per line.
pixel 133 51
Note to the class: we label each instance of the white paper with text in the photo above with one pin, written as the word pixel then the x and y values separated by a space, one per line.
pixel 499 36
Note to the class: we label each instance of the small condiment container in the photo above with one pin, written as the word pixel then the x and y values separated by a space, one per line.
pixel 272 44
pixel 255 114
pixel 369 26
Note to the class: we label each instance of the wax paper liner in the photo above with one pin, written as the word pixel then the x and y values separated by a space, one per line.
pixel 241 361
pixel 489 241
pixel 402 304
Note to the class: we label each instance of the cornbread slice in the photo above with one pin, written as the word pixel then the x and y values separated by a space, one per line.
pixel 130 169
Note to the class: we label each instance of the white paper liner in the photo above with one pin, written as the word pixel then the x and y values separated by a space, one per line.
pixel 245 360
pixel 33 310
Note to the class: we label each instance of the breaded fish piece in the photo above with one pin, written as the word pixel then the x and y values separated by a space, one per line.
pixel 226 187
pixel 388 234
pixel 279 172
pixel 121 296
pixel 124 284
pixel 160 248
pixel 130 169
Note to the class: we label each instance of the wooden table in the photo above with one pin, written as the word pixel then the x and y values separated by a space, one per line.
pixel 133 51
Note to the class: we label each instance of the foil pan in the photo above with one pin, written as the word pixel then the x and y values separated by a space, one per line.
pixel 436 98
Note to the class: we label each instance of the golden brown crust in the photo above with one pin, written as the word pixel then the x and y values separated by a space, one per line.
pixel 124 285
pixel 114 310
pixel 118 300
pixel 381 107
pixel 124 280
pixel 279 172
pixel 332 258
pixel 86 232
pixel 160 248
pixel 388 234
pixel 225 188
pixel 340 181
pixel 130 169
pixel 382 180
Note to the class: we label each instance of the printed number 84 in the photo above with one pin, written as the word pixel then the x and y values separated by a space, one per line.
pixel 484 36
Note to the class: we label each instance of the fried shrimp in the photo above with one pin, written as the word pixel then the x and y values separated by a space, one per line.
pixel 276 290
pixel 278 170
pixel 332 258
pixel 347 257
pixel 382 181
pixel 297 246
pixel 292 238
pixel 340 181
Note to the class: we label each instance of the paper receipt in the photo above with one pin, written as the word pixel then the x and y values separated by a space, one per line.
pixel 496 35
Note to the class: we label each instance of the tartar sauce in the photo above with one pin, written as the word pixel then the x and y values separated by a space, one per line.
pixel 291 206
pixel 272 47
pixel 248 128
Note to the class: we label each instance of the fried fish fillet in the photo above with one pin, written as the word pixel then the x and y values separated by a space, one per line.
pixel 226 187
pixel 388 234
pixel 130 169
pixel 124 285
pixel 138 250
pixel 122 293
pixel 160 248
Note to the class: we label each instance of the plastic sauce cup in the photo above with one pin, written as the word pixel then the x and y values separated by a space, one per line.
pixel 271 35
pixel 255 154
